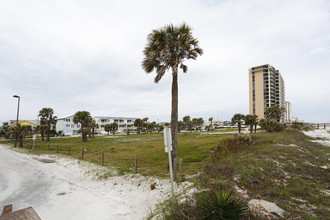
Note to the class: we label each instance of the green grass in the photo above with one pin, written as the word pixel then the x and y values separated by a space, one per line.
pixel 284 168
pixel 120 151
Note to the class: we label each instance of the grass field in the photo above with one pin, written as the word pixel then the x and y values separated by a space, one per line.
pixel 285 168
pixel 120 151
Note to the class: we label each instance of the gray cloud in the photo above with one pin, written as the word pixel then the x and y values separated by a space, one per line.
pixel 86 55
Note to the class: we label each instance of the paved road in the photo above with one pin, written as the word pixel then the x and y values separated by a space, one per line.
pixel 26 182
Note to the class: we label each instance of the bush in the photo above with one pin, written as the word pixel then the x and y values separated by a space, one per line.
pixel 230 145
pixel 216 204
pixel 219 204
pixel 271 125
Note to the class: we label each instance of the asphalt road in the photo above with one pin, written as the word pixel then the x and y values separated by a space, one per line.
pixel 25 181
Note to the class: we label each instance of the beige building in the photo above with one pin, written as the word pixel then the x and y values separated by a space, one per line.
pixel 288 116
pixel 266 89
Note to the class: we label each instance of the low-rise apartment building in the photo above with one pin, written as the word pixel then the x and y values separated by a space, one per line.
pixel 67 126
pixel 124 123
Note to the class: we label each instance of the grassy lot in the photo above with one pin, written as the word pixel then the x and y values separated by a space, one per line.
pixel 120 151
pixel 285 168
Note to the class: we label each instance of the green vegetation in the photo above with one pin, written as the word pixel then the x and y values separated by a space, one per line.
pixel 282 167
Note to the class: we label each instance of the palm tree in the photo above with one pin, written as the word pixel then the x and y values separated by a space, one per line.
pixel 21 132
pixel 167 48
pixel 138 123
pixel 180 126
pixel 47 119
pixel 107 128
pixel 92 126
pixel 84 118
pixel 42 128
pixel 187 122
pixel 275 113
pixel 211 120
pixel 113 127
pixel 251 120
pixel 237 119
pixel 200 122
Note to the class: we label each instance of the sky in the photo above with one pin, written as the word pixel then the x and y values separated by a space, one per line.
pixel 74 55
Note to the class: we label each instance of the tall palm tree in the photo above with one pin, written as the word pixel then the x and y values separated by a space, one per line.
pixel 167 48
pixel 47 119
pixel 237 119
pixel 84 118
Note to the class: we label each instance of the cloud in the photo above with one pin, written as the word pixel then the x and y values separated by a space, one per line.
pixel 83 55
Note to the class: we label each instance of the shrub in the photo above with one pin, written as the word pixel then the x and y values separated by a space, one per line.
pixel 216 204
pixel 219 204
pixel 271 125
pixel 230 145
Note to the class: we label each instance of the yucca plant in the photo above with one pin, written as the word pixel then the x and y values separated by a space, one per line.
pixel 220 204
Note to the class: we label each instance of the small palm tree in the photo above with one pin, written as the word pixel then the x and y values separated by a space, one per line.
pixel 84 118
pixel 275 113
pixel 92 126
pixel 48 119
pixel 251 120
pixel 187 122
pixel 138 123
pixel 107 128
pixel 211 120
pixel 113 127
pixel 167 48
pixel 21 132
pixel 238 119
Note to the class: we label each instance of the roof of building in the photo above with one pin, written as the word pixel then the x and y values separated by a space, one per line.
pixel 115 118
pixel 26 122
pixel 63 117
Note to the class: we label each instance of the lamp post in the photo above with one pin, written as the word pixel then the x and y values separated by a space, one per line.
pixel 19 98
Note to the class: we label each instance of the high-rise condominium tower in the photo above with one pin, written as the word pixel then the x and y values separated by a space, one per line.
pixel 266 89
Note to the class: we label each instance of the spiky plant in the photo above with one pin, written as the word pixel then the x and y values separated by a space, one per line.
pixel 220 204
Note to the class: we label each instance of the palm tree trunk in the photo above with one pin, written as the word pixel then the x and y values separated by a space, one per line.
pixel 174 119
pixel 42 135
pixel 251 128
pixel 48 131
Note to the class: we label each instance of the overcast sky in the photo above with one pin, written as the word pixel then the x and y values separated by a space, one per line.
pixel 86 55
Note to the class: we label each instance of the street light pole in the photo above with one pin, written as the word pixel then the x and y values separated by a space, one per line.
pixel 19 98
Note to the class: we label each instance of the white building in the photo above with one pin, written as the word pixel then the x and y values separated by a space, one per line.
pixel 288 114
pixel 67 126
pixel 123 123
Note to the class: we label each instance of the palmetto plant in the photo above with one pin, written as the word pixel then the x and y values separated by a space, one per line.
pixel 220 204
pixel 167 48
